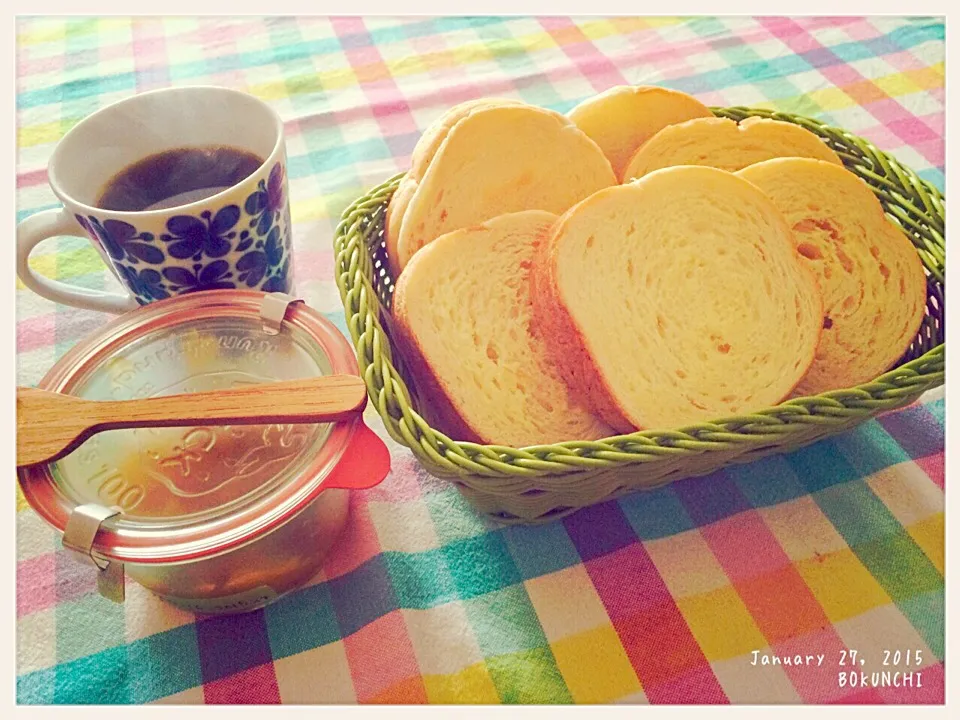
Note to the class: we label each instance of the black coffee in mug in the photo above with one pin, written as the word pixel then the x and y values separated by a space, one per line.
pixel 219 139
pixel 177 177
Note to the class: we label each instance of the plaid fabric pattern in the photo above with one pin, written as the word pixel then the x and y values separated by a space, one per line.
pixel 661 597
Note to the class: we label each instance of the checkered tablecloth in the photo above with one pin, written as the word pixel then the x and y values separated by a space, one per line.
pixel 668 596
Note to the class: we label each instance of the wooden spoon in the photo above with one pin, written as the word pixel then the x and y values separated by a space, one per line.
pixel 51 425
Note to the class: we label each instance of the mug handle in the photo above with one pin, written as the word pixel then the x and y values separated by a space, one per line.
pixel 52 223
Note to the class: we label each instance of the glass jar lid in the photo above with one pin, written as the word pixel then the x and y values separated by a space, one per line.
pixel 191 491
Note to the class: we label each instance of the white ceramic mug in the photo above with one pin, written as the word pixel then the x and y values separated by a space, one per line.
pixel 239 237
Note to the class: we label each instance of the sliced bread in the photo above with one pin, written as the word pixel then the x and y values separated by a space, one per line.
pixel 622 118
pixel 871 278
pixel 462 317
pixel 498 160
pixel 725 144
pixel 420 159
pixel 676 299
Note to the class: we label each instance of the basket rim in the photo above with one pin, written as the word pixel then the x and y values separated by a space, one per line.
pixel 894 388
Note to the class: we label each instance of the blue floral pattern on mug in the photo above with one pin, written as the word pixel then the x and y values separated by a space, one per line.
pixel 219 248
pixel 146 283
pixel 194 237
pixel 215 276
pixel 265 203
pixel 256 264
pixel 280 280
pixel 121 240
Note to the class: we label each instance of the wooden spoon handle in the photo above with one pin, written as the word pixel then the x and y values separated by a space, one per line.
pixel 322 399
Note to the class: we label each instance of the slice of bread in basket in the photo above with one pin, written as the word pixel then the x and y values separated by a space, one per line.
pixel 499 160
pixel 871 278
pixel 622 118
pixel 395 212
pixel 725 144
pixel 420 159
pixel 462 318
pixel 677 299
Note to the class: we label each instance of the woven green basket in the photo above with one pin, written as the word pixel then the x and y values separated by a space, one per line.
pixel 536 484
